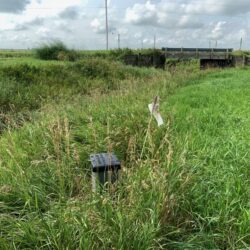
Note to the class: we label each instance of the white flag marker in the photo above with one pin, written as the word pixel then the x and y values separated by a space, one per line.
pixel 154 110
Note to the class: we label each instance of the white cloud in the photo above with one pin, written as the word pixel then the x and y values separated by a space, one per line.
pixel 13 6
pixel 160 15
pixel 142 14
pixel 138 35
pixel 28 25
pixel 175 22
pixel 222 7
pixel 71 12
pixel 98 26
pixel 44 32
pixel 218 30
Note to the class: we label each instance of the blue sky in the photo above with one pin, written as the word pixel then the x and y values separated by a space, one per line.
pixel 81 23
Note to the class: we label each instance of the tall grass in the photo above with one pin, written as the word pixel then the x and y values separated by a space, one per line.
pixel 185 186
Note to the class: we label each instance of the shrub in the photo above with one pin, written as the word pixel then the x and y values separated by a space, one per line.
pixel 56 51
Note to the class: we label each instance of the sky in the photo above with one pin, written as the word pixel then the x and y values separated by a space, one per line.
pixel 80 24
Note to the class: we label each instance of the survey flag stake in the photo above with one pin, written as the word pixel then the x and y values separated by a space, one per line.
pixel 154 110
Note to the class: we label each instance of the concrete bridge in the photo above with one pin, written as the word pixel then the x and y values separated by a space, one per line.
pixel 199 53
pixel 208 57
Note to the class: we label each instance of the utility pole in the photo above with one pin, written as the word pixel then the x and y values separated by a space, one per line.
pixel 216 43
pixel 209 44
pixel 154 42
pixel 107 26
pixel 119 41
pixel 241 41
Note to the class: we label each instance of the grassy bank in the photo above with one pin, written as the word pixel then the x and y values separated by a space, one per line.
pixel 184 185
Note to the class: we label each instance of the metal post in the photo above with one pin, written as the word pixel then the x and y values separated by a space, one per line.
pixel 107 28
pixel 241 40
pixel 119 41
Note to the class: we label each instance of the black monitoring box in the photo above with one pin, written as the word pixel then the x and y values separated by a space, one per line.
pixel 105 169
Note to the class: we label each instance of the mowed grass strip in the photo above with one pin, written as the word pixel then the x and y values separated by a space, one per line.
pixel 189 188
pixel 210 131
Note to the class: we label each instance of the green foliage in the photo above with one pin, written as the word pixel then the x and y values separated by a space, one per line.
pixel 56 51
pixel 175 65
pixel 10 54
pixel 117 54
pixel 241 53
pixel 184 185
pixel 27 87
pixel 120 53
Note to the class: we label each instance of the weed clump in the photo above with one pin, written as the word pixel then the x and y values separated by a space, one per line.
pixel 56 51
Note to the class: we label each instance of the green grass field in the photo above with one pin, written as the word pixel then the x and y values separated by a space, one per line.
pixel 184 185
